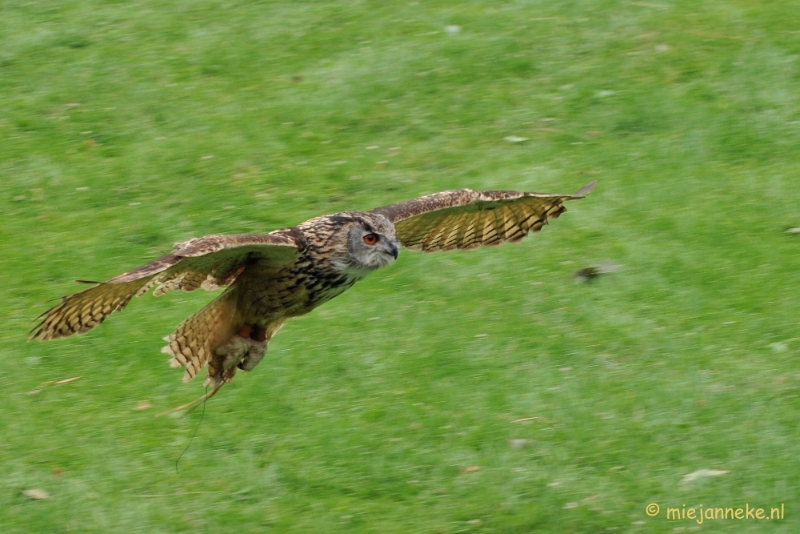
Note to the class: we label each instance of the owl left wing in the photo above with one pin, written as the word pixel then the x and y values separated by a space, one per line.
pixel 208 262
pixel 467 219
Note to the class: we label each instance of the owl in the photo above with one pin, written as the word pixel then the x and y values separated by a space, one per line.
pixel 270 278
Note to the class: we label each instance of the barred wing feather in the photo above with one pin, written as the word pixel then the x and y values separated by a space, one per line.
pixel 467 219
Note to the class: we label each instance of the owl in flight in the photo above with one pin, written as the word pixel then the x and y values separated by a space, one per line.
pixel 289 272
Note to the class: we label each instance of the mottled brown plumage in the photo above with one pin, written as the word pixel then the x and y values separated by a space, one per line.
pixel 286 273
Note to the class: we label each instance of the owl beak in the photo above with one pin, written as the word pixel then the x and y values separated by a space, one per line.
pixel 393 250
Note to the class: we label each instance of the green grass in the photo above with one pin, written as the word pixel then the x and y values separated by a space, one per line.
pixel 366 414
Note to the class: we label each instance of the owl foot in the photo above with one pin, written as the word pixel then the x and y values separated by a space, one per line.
pixel 233 351
pixel 256 353
pixel 245 349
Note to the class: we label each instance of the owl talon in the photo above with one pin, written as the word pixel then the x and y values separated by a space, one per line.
pixel 256 353
pixel 233 351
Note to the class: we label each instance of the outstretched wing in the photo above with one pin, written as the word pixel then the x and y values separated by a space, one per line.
pixel 467 219
pixel 208 262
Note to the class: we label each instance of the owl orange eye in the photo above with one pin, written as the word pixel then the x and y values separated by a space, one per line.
pixel 370 239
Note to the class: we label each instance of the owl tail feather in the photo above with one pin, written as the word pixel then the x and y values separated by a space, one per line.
pixel 194 344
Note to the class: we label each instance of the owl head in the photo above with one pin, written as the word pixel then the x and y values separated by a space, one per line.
pixel 371 242
pixel 354 243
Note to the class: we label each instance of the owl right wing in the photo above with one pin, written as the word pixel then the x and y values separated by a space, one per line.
pixel 467 219
pixel 207 262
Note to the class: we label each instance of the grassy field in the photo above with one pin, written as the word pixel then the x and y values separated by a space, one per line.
pixel 483 391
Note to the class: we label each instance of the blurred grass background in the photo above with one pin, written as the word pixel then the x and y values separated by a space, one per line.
pixel 482 391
